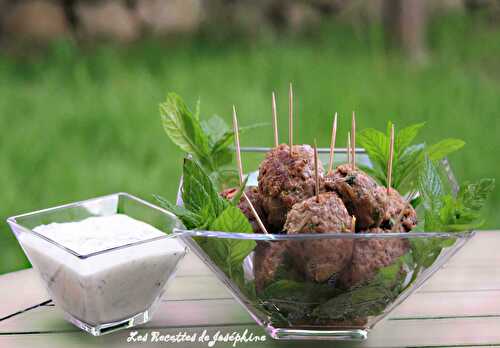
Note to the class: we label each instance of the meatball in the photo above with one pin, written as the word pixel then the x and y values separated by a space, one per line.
pixel 267 258
pixel 254 197
pixel 285 179
pixel 370 255
pixel 361 195
pixel 398 207
pixel 320 259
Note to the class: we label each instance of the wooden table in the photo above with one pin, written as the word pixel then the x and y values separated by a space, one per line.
pixel 459 306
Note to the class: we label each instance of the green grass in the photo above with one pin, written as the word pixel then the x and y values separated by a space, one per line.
pixel 81 123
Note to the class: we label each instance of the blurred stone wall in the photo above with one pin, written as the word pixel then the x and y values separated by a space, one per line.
pixel 41 21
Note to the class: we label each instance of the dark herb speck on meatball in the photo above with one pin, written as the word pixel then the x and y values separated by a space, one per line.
pixel 398 207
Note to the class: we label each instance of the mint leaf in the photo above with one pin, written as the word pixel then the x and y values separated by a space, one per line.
pixel 189 219
pixel 184 129
pixel 307 292
pixel 231 220
pixel 237 196
pixel 444 148
pixel 376 144
pixel 408 157
pixel 229 253
pixel 443 211
pixel 405 137
pixel 430 185
pixel 474 195
pixel 199 193
pixel 215 127
pixel 359 302
pixel 202 204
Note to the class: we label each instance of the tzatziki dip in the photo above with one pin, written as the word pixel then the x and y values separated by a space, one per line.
pixel 104 282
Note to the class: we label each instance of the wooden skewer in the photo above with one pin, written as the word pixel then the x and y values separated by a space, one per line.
pixel 353 141
pixel 349 147
pixel 400 215
pixel 316 170
pixel 255 214
pixel 353 224
pixel 240 170
pixel 275 122
pixel 237 143
pixel 290 117
pixel 389 163
pixel 332 144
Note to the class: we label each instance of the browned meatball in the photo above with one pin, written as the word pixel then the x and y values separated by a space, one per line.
pixel 369 255
pixel 254 197
pixel 267 258
pixel 398 207
pixel 360 194
pixel 320 259
pixel 286 179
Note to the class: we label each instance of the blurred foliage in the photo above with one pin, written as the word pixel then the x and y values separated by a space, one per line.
pixel 82 122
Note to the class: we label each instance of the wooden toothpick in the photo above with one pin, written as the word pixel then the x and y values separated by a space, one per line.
pixel 332 144
pixel 316 170
pixel 353 141
pixel 275 122
pixel 349 147
pixel 255 214
pixel 389 163
pixel 290 117
pixel 237 144
pixel 240 170
pixel 408 200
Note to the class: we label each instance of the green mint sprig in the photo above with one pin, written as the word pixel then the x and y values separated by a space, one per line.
pixel 408 157
pixel 209 141
pixel 445 212
pixel 204 208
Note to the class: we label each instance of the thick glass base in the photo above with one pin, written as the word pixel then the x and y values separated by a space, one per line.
pixel 331 335
pixel 102 329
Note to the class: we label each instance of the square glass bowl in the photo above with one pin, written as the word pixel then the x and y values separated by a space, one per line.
pixel 371 274
pixel 111 289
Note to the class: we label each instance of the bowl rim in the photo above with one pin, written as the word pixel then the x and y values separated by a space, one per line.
pixel 12 221
pixel 313 236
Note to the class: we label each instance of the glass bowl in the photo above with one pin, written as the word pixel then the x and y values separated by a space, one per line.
pixel 111 289
pixel 295 288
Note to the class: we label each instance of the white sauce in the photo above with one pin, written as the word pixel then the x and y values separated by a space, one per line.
pixel 111 286
pixel 98 233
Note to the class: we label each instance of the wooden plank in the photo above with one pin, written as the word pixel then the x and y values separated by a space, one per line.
pixel 119 339
pixel 181 314
pixel 463 278
pixel 415 333
pixel 168 314
pixel 431 332
pixel 480 251
pixel 452 304
pixel 422 304
pixel 23 289
pixel 193 288
pixel 191 265
pixel 443 296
